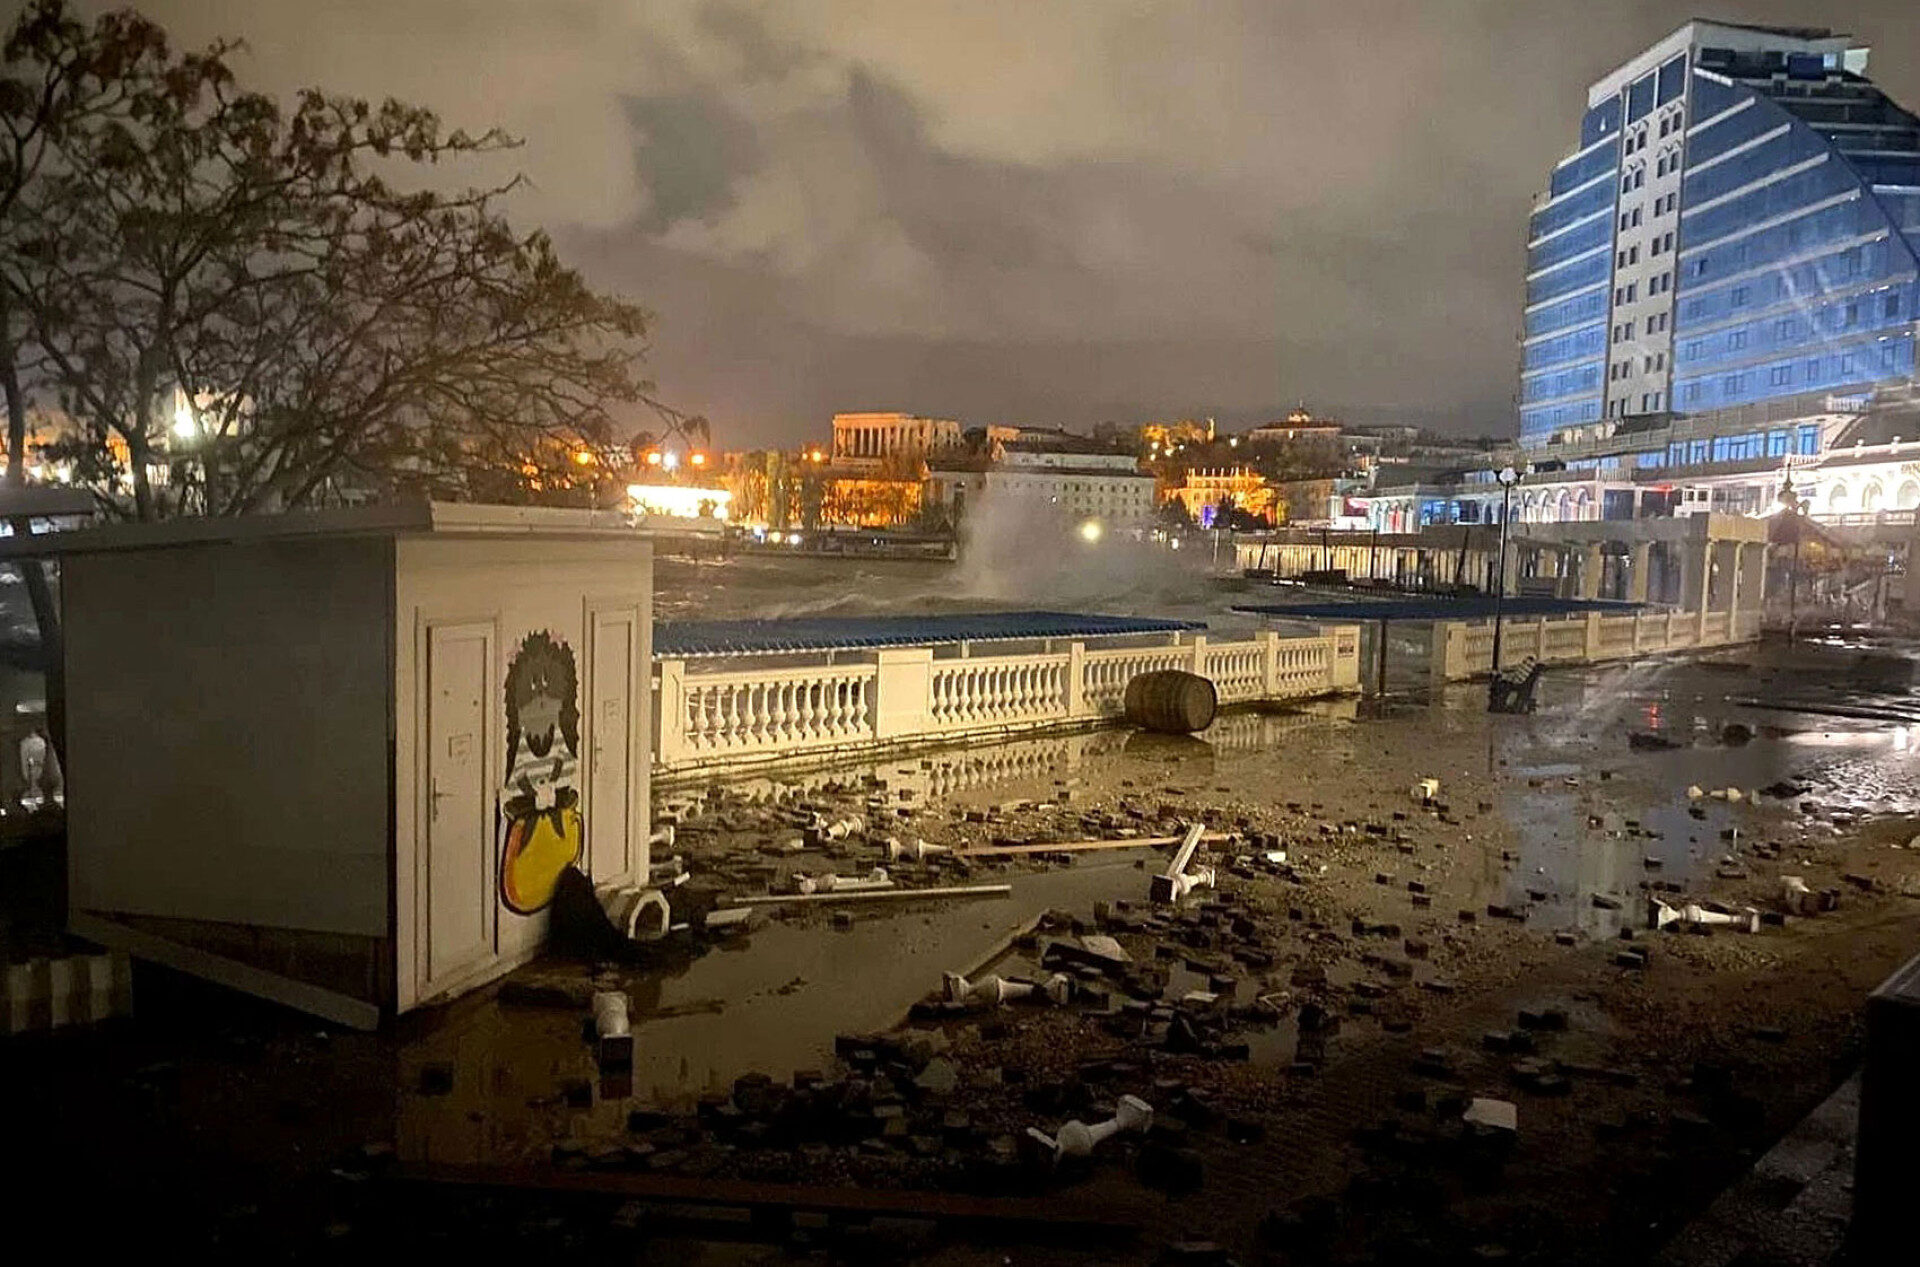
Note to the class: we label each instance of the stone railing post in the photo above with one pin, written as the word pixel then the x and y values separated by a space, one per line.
pixel 1270 663
pixel 1077 680
pixel 670 713
pixel 1593 636
pixel 902 692
pixel 1343 656
pixel 1540 639
pixel 1442 654
pixel 1200 654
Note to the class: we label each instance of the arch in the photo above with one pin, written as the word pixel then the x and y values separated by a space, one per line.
pixel 1870 496
pixel 1837 498
pixel 1908 496
pixel 1582 505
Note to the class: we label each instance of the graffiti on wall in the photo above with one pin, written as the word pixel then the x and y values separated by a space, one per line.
pixel 540 805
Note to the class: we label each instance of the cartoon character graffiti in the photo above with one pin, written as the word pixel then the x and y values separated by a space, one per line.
pixel 540 803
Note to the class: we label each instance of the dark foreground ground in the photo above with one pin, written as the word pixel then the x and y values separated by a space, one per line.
pixel 1402 961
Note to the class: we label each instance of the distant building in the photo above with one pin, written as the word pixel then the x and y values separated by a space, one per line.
pixel 1722 287
pixel 893 435
pixel 1737 230
pixel 1063 476
pixel 1299 425
pixel 1205 490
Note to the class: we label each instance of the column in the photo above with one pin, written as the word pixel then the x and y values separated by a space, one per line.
pixel 1705 588
pixel 1733 594
pixel 1639 564
pixel 1591 566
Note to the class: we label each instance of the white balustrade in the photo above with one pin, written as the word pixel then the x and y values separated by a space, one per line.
pixel 764 714
pixel 1238 670
pixel 1109 670
pixel 751 712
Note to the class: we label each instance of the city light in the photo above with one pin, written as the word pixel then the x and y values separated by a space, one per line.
pixel 698 459
pixel 184 425
pixel 679 502
pixel 583 457
pixel 653 457
pixel 1091 531
pixel 669 460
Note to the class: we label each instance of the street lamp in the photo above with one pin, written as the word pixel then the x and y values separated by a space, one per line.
pixel 1508 477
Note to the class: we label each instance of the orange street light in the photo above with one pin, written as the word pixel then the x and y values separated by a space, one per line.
pixel 698 459
pixel 653 457
pixel 583 456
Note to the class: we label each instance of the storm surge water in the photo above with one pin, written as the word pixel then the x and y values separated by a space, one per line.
pixel 1008 560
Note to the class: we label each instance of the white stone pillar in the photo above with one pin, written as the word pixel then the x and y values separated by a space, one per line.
pixel 1077 680
pixel 670 717
pixel 902 692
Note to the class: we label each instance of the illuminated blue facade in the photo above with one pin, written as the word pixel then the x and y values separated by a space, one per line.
pixel 1740 227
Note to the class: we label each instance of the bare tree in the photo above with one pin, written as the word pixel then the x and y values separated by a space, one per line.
pixel 240 312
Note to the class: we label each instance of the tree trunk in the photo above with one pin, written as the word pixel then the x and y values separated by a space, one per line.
pixel 46 617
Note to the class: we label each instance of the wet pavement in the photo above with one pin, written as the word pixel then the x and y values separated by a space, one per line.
pixel 1552 809
pixel 1550 834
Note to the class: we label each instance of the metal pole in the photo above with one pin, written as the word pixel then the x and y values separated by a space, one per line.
pixel 1380 676
pixel 1500 578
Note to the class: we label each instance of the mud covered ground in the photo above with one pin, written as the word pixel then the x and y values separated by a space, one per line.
pixel 1403 960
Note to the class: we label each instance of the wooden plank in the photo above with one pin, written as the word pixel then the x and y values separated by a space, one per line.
pixel 301 996
pixel 1049 1213
pixel 1076 846
pixel 868 895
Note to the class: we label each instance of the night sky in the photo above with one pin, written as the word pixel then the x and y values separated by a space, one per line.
pixel 1047 213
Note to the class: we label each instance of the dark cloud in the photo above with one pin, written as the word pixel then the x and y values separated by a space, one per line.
pixel 689 151
pixel 1057 213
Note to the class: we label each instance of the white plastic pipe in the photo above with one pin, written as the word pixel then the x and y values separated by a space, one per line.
pixel 831 883
pixel 997 991
pixel 918 851
pixel 1077 1139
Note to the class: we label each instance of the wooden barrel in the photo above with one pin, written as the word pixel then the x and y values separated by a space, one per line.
pixel 1171 701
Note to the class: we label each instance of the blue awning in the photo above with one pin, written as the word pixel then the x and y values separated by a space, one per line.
pixel 675 638
pixel 1413 607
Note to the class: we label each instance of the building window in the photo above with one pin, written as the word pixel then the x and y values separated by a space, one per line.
pixel 1807 439
pixel 1846 363
pixel 1853 314
pixel 1783 330
pixel 1889 356
pixel 1693 393
pixel 1736 340
pixel 1892 305
pixel 1730 386
pixel 1639 177
pixel 1623 222
pixel 1776 444
pixel 1738 299
pixel 1813 371
pixel 1780 375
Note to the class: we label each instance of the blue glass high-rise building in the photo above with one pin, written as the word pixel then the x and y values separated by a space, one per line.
pixel 1739 226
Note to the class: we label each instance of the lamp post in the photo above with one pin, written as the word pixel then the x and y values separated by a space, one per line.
pixel 1508 477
